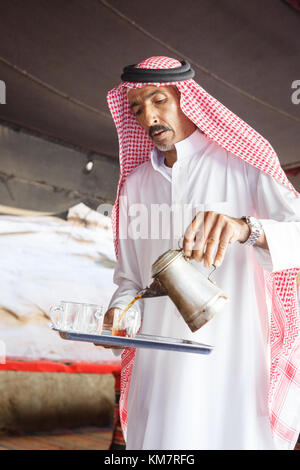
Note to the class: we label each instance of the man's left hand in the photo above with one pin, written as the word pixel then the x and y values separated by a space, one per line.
pixel 210 230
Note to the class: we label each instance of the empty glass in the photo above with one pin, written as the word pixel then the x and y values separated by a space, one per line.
pixel 79 317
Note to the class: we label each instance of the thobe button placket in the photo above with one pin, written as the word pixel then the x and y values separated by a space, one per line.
pixel 179 198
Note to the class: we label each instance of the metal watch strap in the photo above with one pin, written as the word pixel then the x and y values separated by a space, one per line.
pixel 256 230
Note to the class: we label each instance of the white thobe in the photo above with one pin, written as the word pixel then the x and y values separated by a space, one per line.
pixel 187 401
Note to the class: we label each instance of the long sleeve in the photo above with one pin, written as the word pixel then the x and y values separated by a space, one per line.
pixel 278 209
pixel 126 275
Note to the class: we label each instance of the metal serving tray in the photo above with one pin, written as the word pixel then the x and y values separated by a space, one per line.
pixel 140 341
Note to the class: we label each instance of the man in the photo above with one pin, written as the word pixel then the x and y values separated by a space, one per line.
pixel 180 148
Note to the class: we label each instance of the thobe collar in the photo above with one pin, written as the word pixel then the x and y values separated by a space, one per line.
pixel 191 145
pixel 185 148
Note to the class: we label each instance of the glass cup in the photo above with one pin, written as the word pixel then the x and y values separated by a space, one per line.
pixel 126 324
pixel 79 317
pixel 89 319
pixel 64 315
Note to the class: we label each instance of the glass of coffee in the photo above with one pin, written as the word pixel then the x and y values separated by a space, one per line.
pixel 126 322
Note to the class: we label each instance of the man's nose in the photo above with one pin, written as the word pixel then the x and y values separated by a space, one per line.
pixel 150 117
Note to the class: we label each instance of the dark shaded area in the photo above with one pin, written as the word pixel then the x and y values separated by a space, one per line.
pixel 58 59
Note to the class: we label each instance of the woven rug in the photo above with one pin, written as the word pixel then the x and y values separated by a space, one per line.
pixel 78 439
pixel 75 439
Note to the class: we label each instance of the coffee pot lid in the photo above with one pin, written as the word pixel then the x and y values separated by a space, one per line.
pixel 164 260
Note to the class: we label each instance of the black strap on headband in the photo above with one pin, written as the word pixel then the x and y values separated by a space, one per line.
pixel 178 74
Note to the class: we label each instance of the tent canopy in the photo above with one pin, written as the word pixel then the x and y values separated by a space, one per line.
pixel 59 59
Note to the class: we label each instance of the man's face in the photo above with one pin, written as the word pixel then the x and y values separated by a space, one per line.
pixel 158 111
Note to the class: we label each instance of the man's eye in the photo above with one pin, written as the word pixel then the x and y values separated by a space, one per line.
pixel 159 101
pixel 138 112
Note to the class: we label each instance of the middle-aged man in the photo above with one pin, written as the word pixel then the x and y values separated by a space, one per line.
pixel 181 148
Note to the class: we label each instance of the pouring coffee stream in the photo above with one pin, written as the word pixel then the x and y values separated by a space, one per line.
pixel 117 332
pixel 196 297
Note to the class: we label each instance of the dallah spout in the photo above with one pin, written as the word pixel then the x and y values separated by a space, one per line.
pixel 154 290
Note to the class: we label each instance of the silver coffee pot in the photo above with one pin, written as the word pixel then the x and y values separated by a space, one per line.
pixel 197 298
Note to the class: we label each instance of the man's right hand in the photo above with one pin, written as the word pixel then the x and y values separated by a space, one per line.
pixel 107 325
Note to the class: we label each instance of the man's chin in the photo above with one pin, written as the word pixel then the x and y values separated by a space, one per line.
pixel 164 147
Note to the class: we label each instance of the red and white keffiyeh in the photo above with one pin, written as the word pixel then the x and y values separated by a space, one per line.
pixel 234 135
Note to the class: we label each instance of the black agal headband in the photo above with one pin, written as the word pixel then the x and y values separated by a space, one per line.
pixel 137 75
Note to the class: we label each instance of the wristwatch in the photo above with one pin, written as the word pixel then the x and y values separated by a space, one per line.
pixel 256 230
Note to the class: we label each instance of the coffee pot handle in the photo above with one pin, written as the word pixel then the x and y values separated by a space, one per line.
pixel 214 268
pixel 180 246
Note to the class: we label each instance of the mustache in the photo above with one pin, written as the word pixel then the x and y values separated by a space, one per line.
pixel 157 128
